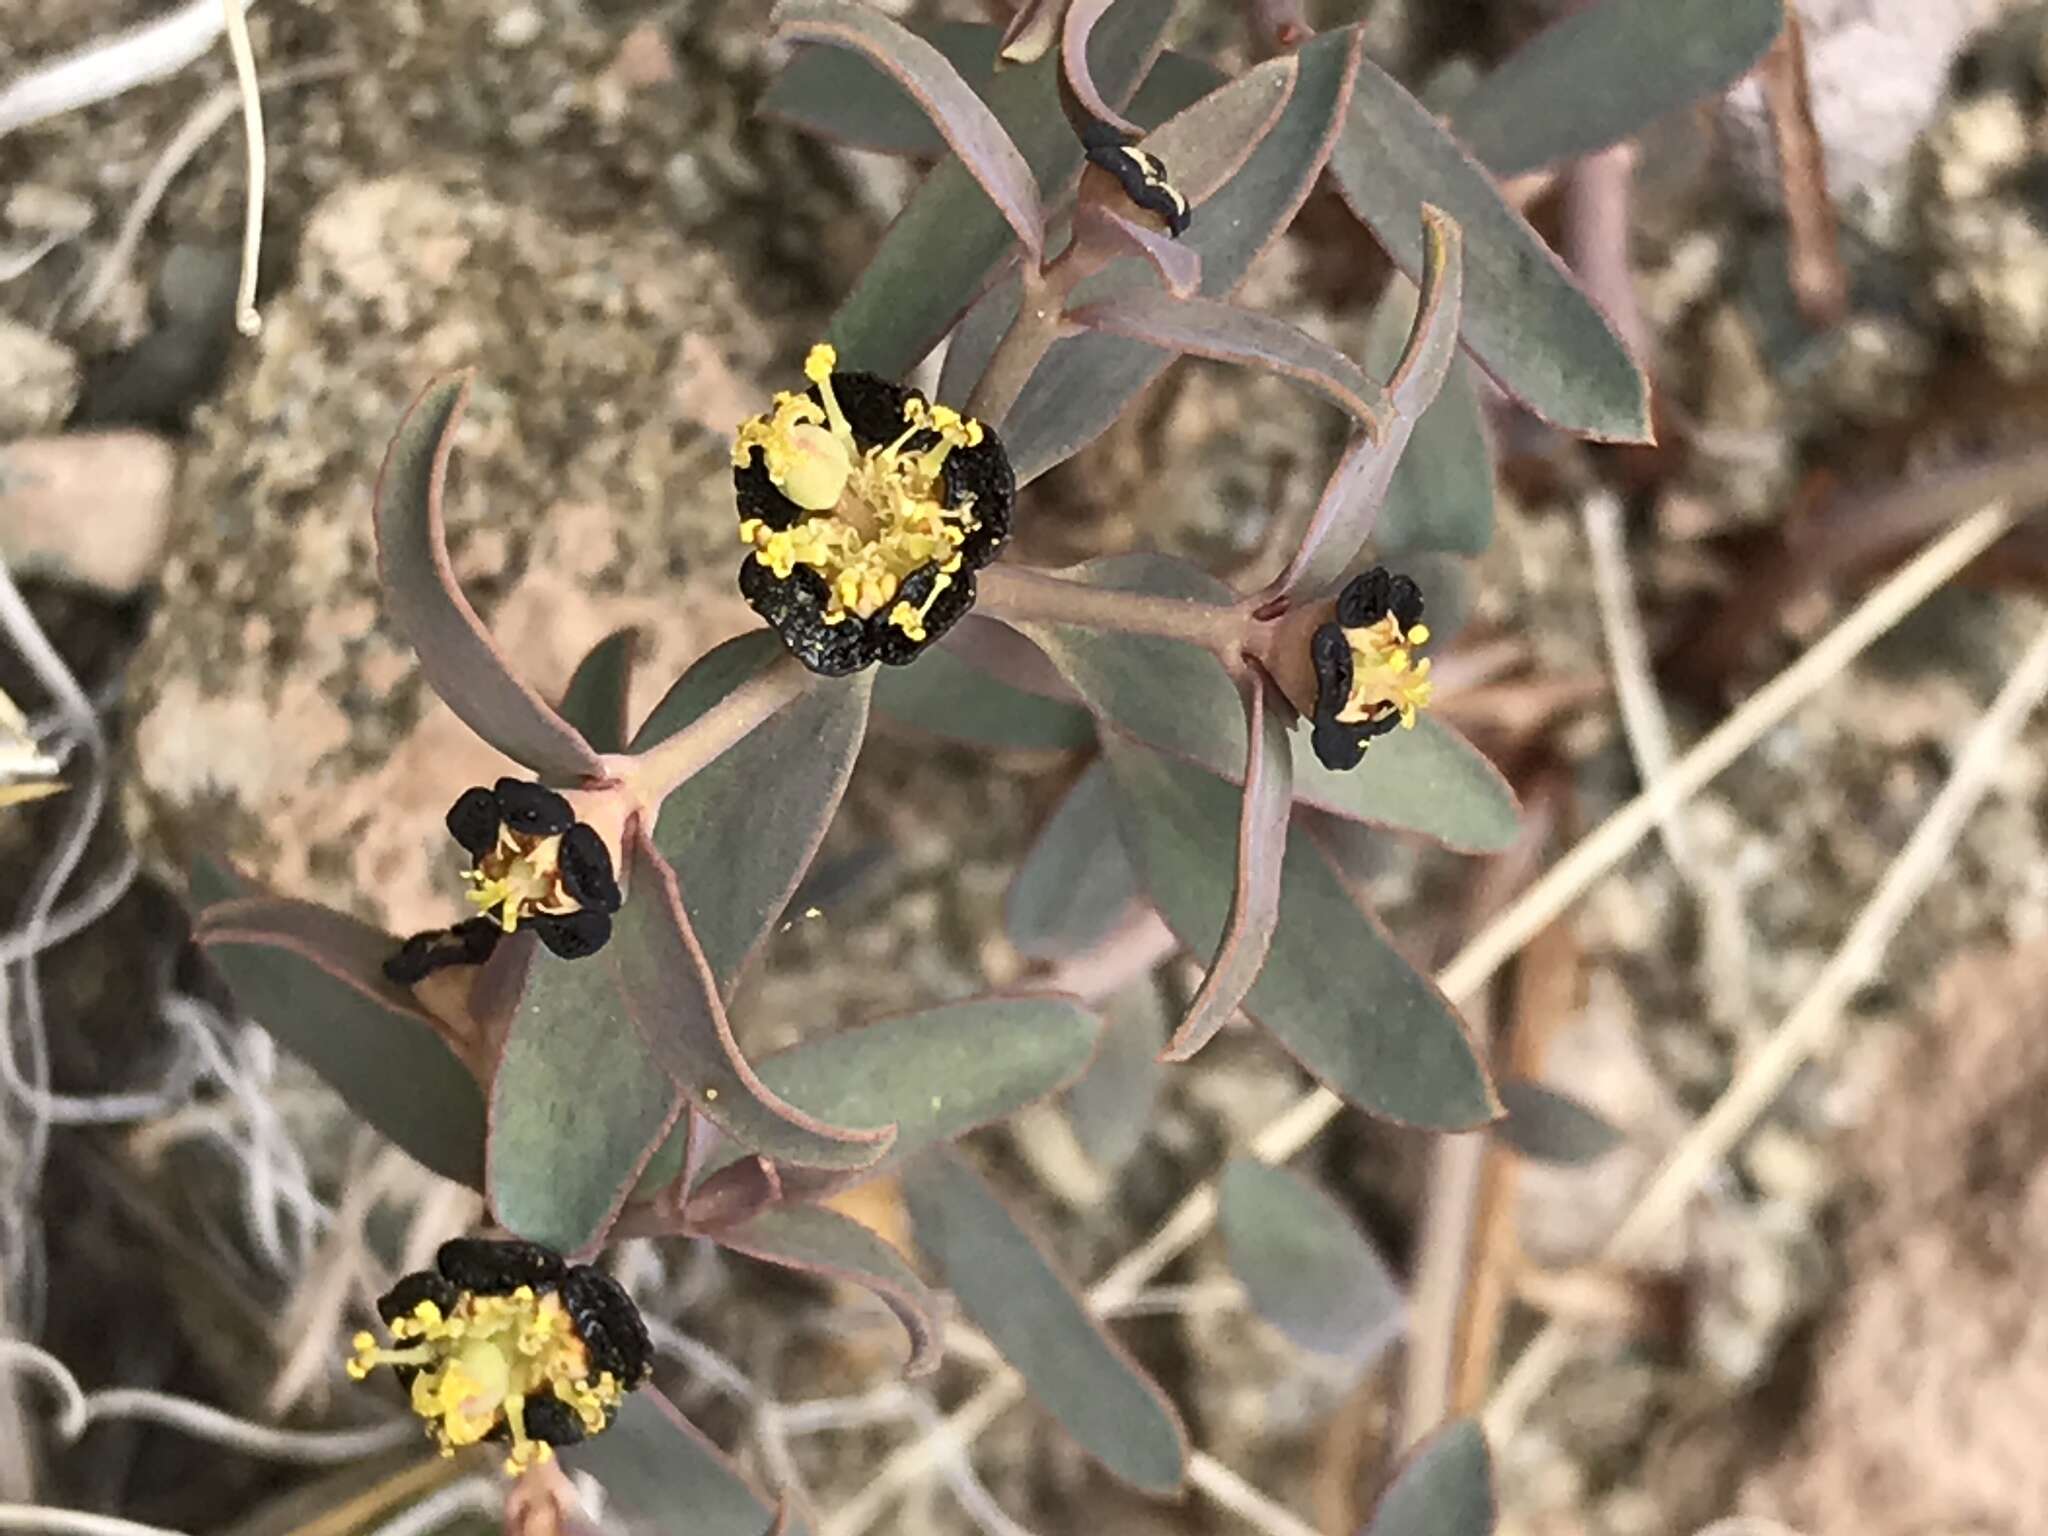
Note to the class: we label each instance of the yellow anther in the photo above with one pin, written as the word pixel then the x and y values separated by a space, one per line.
pixel 1386 677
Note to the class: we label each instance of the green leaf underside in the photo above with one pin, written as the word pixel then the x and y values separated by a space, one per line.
pixel 1445 1488
pixel 1525 320
pixel 1607 72
pixel 841 96
pixel 382 1057
pixel 1033 1317
pixel 1076 879
pixel 949 237
pixel 595 700
pixel 1110 1108
pixel 1552 1127
pixel 1441 498
pixel 937 1074
pixel 1304 1263
pixel 456 653
pixel 1179 699
pixel 822 1243
pixel 1334 991
pixel 662 1476
pixel 577 1107
pixel 672 998
pixel 942 694
pixel 1086 381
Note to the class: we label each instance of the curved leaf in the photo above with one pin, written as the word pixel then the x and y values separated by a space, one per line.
pixel 1110 1108
pixel 1076 879
pixel 1178 698
pixel 742 830
pixel 1255 891
pixel 1445 1488
pixel 313 978
pixel 1605 73
pixel 1085 381
pixel 947 242
pixel 578 1107
pixel 945 695
pixel 671 995
pixel 1441 498
pixel 969 127
pixel 1179 267
pixel 815 1241
pixel 457 656
pixel 1213 329
pixel 1358 487
pixel 1306 1266
pixel 937 1074
pixel 1525 320
pixel 1013 1294
pixel 653 1462
pixel 1552 1127
pixel 1081 17
pixel 1334 991
pixel 595 700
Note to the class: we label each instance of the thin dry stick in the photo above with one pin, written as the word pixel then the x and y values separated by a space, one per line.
pixel 1765 1074
pixel 1597 853
pixel 247 321
pixel 1243 1500
pixel 1820 282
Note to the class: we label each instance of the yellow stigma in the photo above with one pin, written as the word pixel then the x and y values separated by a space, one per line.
pixel 1386 679
pixel 519 878
pixel 878 513
pixel 480 1365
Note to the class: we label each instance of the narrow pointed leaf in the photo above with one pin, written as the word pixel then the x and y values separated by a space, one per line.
pixel 1441 498
pixel 577 1108
pixel 654 1462
pixel 940 1073
pixel 595 700
pixel 1525 320
pixel 1306 1266
pixel 672 997
pixel 741 831
pixel 1179 266
pixel 942 694
pixel 313 978
pixel 1110 1108
pixel 1213 329
pixel 1605 73
pixel 1552 1127
pixel 1082 15
pixel 1334 991
pixel 1075 881
pixel 1005 1284
pixel 1444 1489
pixel 1179 699
pixel 977 138
pixel 947 242
pixel 1357 489
pixel 1255 892
pixel 841 96
pixel 457 655
pixel 1086 381
pixel 815 1241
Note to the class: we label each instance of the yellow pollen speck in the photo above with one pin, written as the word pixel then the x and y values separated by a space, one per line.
pixel 480 1366
pixel 1386 678
pixel 878 513
pixel 710 1093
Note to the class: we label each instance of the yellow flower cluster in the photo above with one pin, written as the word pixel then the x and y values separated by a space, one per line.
pixel 1385 676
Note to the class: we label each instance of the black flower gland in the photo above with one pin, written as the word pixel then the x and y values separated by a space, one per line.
pixel 868 510
pixel 535 863
pixel 467 943
pixel 1142 177
pixel 504 1341
pixel 1368 679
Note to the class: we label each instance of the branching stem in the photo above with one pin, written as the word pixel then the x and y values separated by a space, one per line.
pixel 1013 592
pixel 1038 325
pixel 655 774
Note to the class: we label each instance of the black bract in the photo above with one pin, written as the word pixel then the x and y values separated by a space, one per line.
pixel 1365 600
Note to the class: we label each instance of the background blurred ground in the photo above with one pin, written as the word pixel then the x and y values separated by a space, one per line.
pixel 577 198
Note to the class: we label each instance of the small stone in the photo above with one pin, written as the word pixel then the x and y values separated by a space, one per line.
pixel 88 507
pixel 518 28
pixel 38 381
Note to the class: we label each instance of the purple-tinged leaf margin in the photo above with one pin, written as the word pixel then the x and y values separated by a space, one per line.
pixel 1305 1264
pixel 815 1241
pixel 1082 15
pixel 1444 1488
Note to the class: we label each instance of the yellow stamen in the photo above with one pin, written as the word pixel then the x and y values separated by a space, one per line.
pixel 518 879
pixel 1386 678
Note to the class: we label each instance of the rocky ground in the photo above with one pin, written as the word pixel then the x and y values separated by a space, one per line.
pixel 576 200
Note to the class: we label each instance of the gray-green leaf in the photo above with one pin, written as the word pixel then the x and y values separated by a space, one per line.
pixel 1305 1264
pixel 1445 1489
